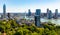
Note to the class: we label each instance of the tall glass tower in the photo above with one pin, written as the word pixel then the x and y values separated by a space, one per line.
pixel 4 11
pixel 8 14
pixel 56 13
pixel 49 14
pixel 37 20
pixel 38 12
pixel 29 12
pixel 37 17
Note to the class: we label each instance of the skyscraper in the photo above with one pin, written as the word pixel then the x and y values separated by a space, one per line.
pixel 38 12
pixel 49 14
pixel 8 14
pixel 37 20
pixel 56 14
pixel 4 11
pixel 47 10
pixel 37 17
pixel 29 12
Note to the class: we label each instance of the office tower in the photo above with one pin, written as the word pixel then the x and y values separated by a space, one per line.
pixel 4 11
pixel 37 20
pixel 29 12
pixel 47 10
pixel 37 17
pixel 8 14
pixel 38 12
pixel 49 14
pixel 56 14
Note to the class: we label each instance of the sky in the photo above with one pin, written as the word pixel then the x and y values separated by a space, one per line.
pixel 20 6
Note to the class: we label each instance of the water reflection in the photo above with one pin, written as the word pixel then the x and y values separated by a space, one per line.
pixel 55 21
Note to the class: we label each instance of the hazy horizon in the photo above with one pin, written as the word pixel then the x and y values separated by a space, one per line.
pixel 23 5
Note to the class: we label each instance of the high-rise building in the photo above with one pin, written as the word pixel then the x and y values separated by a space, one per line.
pixel 56 14
pixel 49 14
pixel 38 12
pixel 37 17
pixel 47 10
pixel 37 20
pixel 8 14
pixel 29 12
pixel 4 11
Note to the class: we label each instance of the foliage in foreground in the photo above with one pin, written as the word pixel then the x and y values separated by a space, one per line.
pixel 12 28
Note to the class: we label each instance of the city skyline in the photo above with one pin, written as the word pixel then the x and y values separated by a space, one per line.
pixel 23 5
